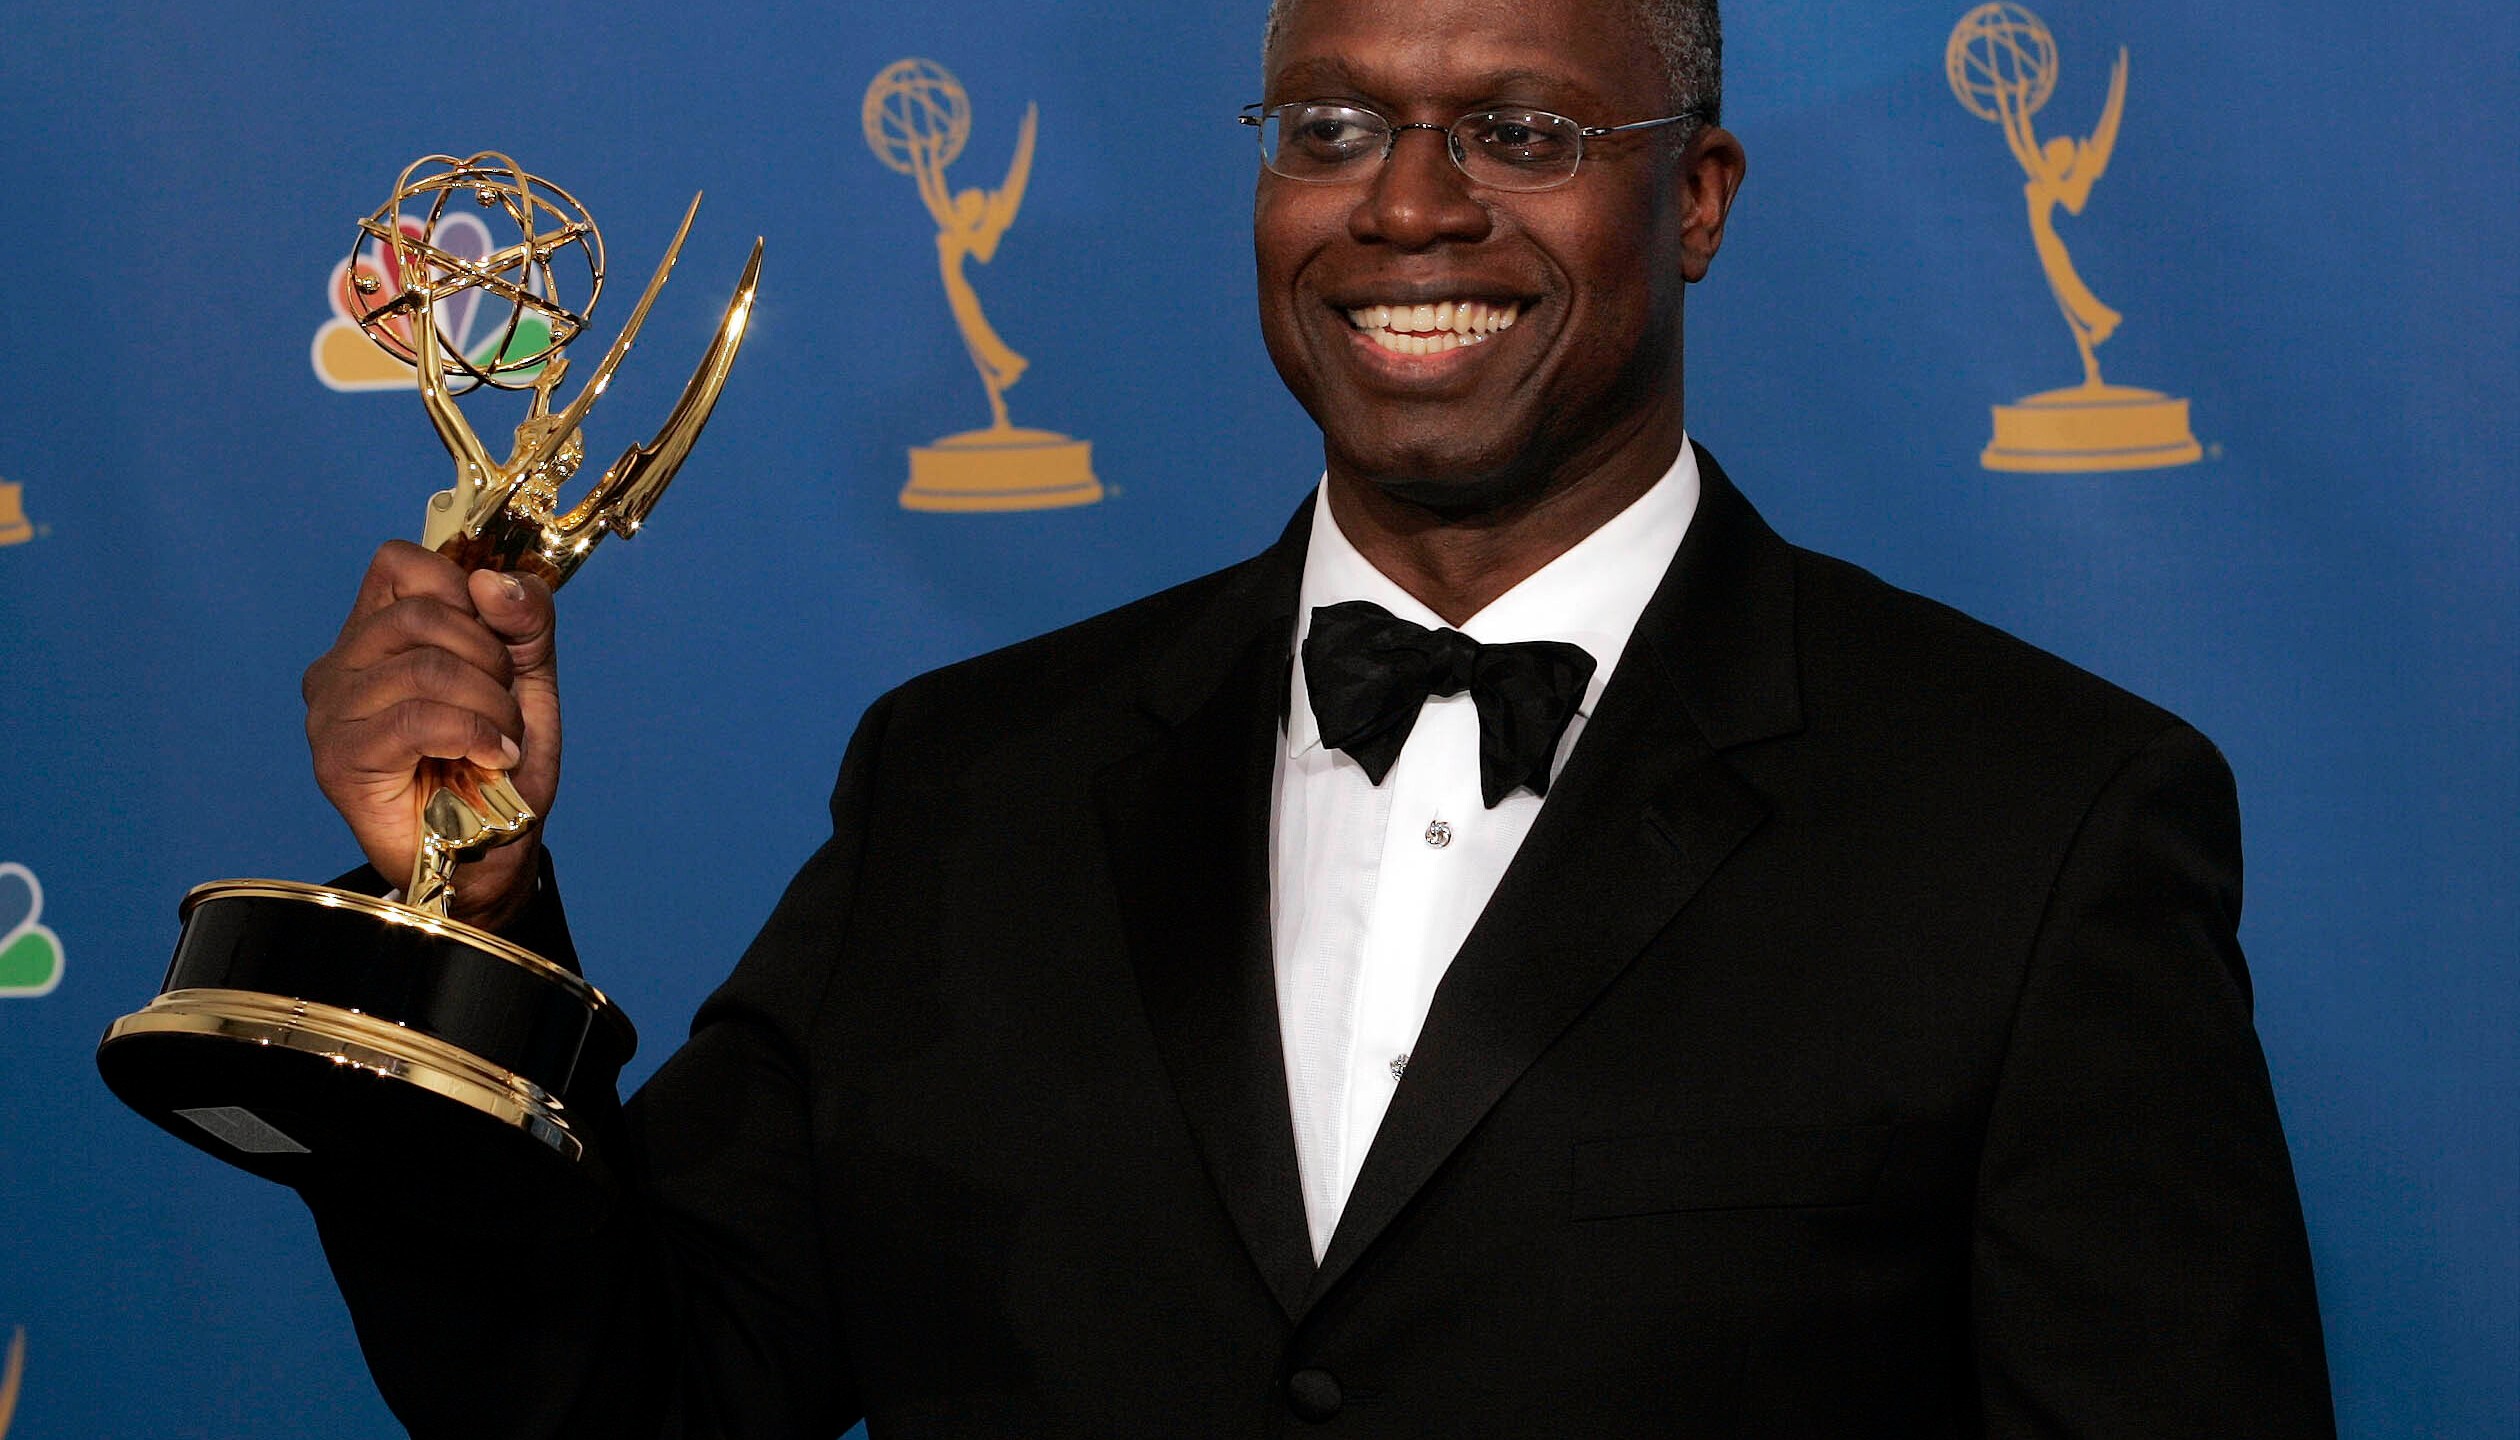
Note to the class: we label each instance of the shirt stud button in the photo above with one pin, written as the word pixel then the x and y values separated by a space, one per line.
pixel 1314 1395
pixel 1439 834
pixel 1399 1064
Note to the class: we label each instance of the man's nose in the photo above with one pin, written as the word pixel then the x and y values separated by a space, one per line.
pixel 1419 198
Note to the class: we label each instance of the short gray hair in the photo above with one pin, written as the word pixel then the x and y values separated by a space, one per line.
pixel 1687 34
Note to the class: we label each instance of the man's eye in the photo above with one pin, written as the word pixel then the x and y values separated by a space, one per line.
pixel 1519 141
pixel 1330 136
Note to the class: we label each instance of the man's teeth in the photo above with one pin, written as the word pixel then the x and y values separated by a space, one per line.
pixel 1433 329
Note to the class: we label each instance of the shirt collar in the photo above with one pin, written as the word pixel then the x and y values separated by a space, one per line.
pixel 1590 596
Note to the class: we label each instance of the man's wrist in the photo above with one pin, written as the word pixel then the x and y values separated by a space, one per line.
pixel 516 878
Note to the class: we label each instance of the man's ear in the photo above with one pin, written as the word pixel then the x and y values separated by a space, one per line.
pixel 1711 170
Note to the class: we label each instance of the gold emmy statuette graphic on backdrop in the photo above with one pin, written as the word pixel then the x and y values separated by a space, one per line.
pixel 301 1027
pixel 15 528
pixel 11 1374
pixel 2002 64
pixel 918 118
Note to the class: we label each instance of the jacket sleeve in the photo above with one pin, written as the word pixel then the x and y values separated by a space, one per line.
pixel 2139 1265
pixel 689 1299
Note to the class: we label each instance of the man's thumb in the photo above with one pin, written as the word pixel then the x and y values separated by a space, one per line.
pixel 518 608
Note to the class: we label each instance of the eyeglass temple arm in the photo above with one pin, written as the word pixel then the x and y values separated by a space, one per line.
pixel 1595 132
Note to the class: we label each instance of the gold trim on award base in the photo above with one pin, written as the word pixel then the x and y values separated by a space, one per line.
pixel 360 1042
pixel 293 1014
pixel 305 1032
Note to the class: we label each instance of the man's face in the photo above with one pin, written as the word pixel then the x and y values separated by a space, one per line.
pixel 1590 274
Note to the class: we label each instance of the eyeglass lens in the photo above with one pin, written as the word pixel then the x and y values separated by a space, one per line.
pixel 1507 149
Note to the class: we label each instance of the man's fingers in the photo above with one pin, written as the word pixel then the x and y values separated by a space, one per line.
pixel 425 674
pixel 377 756
pixel 387 744
pixel 401 570
pixel 421 623
pixel 434 663
pixel 518 608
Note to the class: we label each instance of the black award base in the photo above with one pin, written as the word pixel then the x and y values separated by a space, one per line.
pixel 309 1034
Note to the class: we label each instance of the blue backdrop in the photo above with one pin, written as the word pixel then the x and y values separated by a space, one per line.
pixel 2308 225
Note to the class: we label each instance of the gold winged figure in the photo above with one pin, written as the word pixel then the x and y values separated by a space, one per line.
pixel 2062 172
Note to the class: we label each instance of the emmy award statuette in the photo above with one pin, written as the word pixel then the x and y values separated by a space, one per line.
pixel 15 528
pixel 918 118
pixel 11 1376
pixel 304 1029
pixel 2002 65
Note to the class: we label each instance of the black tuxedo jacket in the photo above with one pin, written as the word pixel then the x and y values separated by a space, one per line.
pixel 1857 1046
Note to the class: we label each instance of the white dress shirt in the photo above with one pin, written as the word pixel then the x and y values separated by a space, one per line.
pixel 1373 888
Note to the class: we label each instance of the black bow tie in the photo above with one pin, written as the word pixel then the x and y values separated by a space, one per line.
pixel 1370 671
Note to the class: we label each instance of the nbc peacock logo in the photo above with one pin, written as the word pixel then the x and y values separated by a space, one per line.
pixel 30 953
pixel 346 360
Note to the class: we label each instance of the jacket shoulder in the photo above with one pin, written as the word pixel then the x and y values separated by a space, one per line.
pixel 1090 664
pixel 1917 672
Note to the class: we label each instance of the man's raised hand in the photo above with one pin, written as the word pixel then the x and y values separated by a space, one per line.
pixel 435 663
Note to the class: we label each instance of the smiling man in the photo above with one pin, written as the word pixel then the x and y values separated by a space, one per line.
pixel 1530 954
pixel 1461 468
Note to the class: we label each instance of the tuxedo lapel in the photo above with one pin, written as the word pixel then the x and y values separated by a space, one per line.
pixel 1186 819
pixel 1644 814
